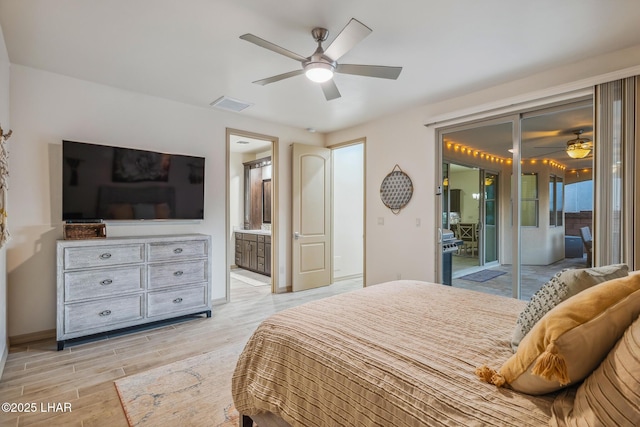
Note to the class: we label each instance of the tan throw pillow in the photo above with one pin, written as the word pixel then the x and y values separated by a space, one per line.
pixel 571 340
pixel 561 287
pixel 610 396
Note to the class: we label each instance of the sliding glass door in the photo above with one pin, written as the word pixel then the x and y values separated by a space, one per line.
pixel 516 168
pixel 478 159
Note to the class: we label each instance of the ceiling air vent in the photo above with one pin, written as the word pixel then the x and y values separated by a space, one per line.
pixel 230 104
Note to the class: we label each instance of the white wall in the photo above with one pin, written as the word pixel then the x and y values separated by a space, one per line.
pixel 467 182
pixel 47 108
pixel 348 205
pixel 400 248
pixel 4 122
pixel 396 247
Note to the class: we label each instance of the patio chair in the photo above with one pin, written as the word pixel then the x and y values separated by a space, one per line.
pixel 467 232
pixel 585 234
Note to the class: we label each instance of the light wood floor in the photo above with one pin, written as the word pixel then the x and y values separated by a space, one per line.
pixel 83 374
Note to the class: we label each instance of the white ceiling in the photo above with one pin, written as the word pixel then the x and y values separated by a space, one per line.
pixel 245 145
pixel 190 50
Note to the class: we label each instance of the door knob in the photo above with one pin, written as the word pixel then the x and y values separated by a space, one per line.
pixel 296 235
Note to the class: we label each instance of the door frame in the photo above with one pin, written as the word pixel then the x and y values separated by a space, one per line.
pixel 483 217
pixel 275 272
pixel 514 119
pixel 339 145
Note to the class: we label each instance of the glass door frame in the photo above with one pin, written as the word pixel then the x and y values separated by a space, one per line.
pixel 514 120
pixel 483 215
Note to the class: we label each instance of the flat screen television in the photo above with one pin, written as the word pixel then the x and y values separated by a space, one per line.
pixel 101 182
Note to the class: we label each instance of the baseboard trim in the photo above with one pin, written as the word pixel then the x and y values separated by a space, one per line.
pixel 3 359
pixel 218 301
pixel 32 337
pixel 348 277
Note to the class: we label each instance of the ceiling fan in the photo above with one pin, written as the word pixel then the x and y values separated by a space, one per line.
pixel 579 148
pixel 576 148
pixel 320 66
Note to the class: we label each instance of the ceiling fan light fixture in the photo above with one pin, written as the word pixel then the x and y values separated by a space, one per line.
pixel 578 151
pixel 578 148
pixel 319 72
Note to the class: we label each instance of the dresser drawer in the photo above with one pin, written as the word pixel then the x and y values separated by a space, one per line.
pixel 177 273
pixel 177 300
pixel 177 250
pixel 99 256
pixel 102 282
pixel 102 314
pixel 250 237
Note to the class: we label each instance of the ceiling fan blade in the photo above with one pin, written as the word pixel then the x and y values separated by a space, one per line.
pixel 279 77
pixel 273 47
pixel 330 90
pixel 550 146
pixel 537 156
pixel 379 71
pixel 352 34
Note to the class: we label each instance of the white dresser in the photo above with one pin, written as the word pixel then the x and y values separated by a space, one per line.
pixel 115 283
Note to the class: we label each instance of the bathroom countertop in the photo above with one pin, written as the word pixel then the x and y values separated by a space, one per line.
pixel 262 232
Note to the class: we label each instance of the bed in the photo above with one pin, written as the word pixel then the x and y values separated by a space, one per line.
pixel 402 353
pixel 408 353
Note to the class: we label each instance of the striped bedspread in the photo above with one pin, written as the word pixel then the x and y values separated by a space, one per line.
pixel 401 353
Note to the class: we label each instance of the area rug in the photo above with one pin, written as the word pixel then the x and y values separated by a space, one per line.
pixel 189 392
pixel 483 276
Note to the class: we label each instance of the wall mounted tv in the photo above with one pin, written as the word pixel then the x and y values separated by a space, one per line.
pixel 114 183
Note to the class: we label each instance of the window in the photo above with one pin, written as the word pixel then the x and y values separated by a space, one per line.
pixel 529 205
pixel 556 190
pixel 579 196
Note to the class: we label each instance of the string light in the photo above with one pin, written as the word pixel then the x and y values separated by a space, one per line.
pixel 497 159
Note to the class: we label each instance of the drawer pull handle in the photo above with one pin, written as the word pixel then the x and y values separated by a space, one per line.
pixel 106 282
pixel 105 313
pixel 178 273
pixel 177 251
pixel 105 255
pixel 177 300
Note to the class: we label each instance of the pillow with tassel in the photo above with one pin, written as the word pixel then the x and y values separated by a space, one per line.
pixel 561 287
pixel 571 340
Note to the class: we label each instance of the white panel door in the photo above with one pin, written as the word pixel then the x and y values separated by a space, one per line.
pixel 311 199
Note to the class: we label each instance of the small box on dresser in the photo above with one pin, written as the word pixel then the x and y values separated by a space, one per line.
pixel 115 283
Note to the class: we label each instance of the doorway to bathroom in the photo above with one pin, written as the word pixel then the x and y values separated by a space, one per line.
pixel 252 212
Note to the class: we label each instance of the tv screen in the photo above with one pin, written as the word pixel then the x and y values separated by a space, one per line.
pixel 114 183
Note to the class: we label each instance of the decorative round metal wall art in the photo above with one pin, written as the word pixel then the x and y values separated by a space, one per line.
pixel 396 190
